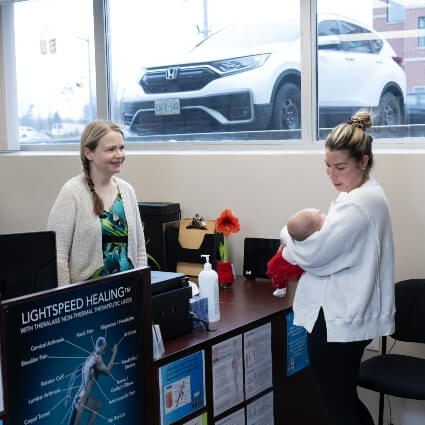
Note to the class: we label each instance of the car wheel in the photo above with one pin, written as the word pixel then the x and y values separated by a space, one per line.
pixel 287 108
pixel 389 110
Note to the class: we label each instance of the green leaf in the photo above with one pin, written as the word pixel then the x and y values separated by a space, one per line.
pixel 157 265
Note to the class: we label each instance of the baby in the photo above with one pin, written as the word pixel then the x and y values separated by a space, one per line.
pixel 300 226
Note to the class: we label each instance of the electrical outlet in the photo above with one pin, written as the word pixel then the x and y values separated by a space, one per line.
pixel 374 345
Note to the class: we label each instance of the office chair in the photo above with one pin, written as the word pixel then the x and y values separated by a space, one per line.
pixel 395 374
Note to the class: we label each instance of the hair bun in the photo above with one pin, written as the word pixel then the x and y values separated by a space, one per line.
pixel 361 119
pixel 356 122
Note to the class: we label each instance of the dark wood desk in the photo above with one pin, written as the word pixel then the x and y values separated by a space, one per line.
pixel 247 305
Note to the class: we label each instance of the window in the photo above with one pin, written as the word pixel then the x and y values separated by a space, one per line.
pixel 364 62
pixel 395 12
pixel 205 72
pixel 421 26
pixel 54 69
pixel 354 44
pixel 199 70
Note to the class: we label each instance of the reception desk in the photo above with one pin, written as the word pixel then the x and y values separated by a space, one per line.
pixel 238 374
pixel 246 306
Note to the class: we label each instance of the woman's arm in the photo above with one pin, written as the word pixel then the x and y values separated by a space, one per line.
pixel 62 219
pixel 329 250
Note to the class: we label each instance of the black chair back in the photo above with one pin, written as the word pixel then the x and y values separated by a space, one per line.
pixel 410 311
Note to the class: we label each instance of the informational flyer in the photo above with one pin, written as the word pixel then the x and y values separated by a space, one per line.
pixel 296 343
pixel 200 420
pixel 227 373
pixel 236 418
pixel 76 356
pixel 182 387
pixel 258 360
pixel 260 411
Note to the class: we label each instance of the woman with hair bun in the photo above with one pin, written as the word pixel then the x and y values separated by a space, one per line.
pixel 96 216
pixel 345 298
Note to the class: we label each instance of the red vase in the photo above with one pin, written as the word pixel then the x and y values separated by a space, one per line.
pixel 225 274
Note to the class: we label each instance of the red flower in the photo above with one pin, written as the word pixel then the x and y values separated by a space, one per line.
pixel 227 223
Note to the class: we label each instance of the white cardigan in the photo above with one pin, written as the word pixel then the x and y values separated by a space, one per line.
pixel 349 268
pixel 79 234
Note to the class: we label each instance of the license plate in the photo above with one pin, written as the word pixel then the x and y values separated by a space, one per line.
pixel 167 106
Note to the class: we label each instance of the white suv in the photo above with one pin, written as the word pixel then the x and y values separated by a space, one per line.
pixel 247 76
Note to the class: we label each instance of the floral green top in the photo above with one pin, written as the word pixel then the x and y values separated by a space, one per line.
pixel 114 241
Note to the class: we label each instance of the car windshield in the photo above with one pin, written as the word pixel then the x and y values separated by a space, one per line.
pixel 250 34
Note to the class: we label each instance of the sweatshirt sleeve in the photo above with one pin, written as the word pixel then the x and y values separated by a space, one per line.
pixel 284 235
pixel 334 247
pixel 62 221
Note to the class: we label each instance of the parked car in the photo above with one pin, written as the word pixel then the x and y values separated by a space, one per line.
pixel 415 102
pixel 247 76
pixel 29 134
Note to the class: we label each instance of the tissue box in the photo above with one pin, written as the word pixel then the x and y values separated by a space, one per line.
pixel 199 307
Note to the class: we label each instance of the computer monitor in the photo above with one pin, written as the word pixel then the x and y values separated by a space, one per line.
pixel 27 263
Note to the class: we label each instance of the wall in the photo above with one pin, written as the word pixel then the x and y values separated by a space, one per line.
pixel 262 187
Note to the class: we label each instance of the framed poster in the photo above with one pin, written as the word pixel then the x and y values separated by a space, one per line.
pixel 258 360
pixel 236 418
pixel 227 374
pixel 182 387
pixel 78 352
pixel 296 343
pixel 200 420
pixel 260 411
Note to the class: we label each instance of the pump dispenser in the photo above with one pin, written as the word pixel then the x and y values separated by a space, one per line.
pixel 208 287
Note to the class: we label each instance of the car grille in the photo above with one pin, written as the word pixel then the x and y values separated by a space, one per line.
pixel 186 79
pixel 235 107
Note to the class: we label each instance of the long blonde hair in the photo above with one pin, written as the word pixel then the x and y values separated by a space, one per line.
pixel 353 138
pixel 90 137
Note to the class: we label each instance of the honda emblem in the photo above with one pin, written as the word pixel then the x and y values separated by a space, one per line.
pixel 171 73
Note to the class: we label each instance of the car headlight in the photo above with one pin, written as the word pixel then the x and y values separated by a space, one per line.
pixel 231 66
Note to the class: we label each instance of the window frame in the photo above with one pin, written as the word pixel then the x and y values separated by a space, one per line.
pixel 9 140
pixel 399 6
pixel 421 38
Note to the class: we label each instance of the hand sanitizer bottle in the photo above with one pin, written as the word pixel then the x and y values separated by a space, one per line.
pixel 208 287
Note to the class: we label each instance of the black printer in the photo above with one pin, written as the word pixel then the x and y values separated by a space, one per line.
pixel 170 303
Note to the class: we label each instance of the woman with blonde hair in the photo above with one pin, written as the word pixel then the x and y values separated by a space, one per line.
pixel 345 297
pixel 96 216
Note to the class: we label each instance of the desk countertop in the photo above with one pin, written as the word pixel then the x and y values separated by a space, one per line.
pixel 245 302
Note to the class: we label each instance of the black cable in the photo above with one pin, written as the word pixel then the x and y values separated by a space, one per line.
pixel 204 323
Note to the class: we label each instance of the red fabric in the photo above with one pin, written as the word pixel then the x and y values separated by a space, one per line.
pixel 225 272
pixel 281 272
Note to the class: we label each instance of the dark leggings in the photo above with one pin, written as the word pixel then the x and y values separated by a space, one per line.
pixel 336 368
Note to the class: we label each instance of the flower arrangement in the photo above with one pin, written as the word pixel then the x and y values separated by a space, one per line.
pixel 226 223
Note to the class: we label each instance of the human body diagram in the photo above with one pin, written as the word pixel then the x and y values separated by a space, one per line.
pixel 89 371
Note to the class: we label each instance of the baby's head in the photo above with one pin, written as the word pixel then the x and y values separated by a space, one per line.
pixel 305 222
